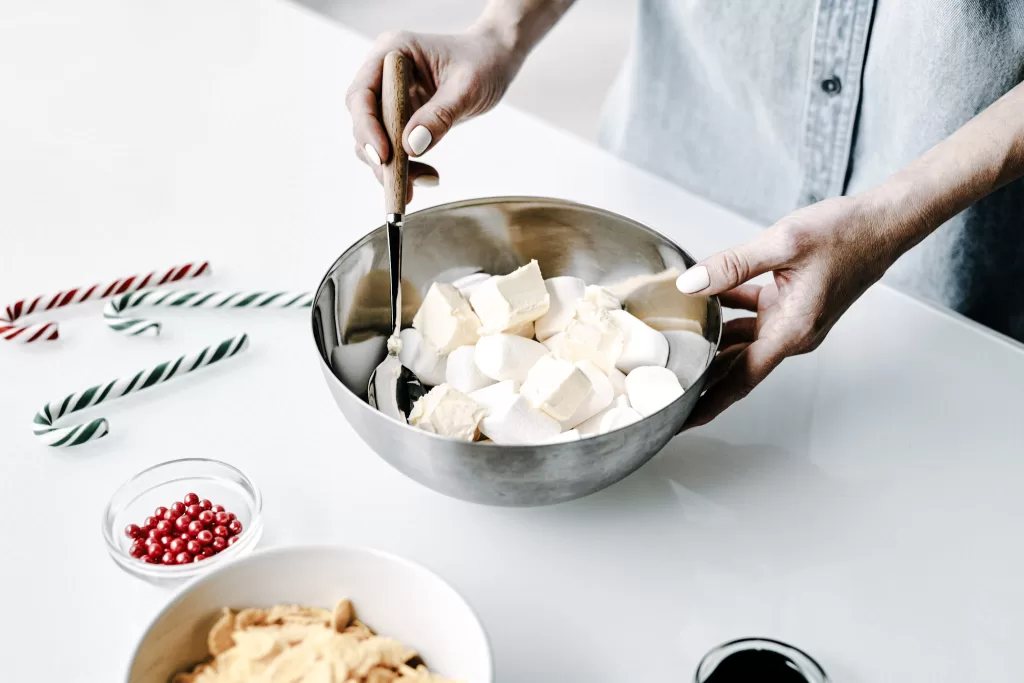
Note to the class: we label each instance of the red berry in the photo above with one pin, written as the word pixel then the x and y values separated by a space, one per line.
pixel 132 531
pixel 205 537
pixel 166 540
pixel 218 508
pixel 206 517
pixel 153 534
pixel 149 523
pixel 193 511
pixel 176 546
pixel 155 548
pixel 194 547
pixel 205 504
pixel 164 527
pixel 235 527
pixel 178 509
pixel 209 552
pixel 222 518
pixel 167 558
pixel 199 558
pixel 220 530
pixel 195 526
pixel 183 558
pixel 219 543
pixel 160 512
pixel 148 559
pixel 181 524
pixel 137 550
pixel 233 540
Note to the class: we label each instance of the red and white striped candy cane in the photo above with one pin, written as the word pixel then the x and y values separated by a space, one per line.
pixel 48 331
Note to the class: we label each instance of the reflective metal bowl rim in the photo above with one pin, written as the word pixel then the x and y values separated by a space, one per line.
pixel 485 201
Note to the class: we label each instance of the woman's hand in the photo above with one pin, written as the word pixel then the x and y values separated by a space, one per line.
pixel 453 77
pixel 822 257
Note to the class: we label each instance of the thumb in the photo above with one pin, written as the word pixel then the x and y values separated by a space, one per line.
pixel 434 119
pixel 733 267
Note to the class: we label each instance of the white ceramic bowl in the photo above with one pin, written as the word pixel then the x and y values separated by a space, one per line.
pixel 395 597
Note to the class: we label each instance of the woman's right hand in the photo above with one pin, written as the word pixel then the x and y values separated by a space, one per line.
pixel 453 77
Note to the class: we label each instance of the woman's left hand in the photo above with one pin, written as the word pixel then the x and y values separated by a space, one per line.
pixel 822 258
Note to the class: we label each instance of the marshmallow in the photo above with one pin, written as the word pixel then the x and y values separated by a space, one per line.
pixel 447 412
pixel 602 298
pixel 420 356
pixel 506 356
pixel 514 421
pixel 600 397
pixel 592 335
pixel 618 380
pixel 564 293
pixel 688 356
pixel 507 301
pixel 592 426
pixel 556 387
pixel 494 396
pixel 445 319
pixel 652 388
pixel 461 371
pixel 524 330
pixel 565 437
pixel 642 345
pixel 468 284
pixel 666 324
pixel 619 416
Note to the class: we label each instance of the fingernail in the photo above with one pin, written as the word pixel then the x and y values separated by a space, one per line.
pixel 426 181
pixel 419 140
pixel 371 154
pixel 693 280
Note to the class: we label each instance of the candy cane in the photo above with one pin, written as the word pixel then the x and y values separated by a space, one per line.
pixel 63 437
pixel 49 331
pixel 114 309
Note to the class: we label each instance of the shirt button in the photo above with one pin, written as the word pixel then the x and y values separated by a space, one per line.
pixel 832 85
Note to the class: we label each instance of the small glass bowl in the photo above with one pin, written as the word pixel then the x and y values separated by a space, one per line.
pixel 801 662
pixel 163 484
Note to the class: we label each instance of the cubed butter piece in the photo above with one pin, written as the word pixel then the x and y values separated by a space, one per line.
pixel 507 301
pixel 448 412
pixel 446 319
pixel 556 387
pixel 601 395
pixel 565 294
pixel 506 356
pixel 652 388
pixel 591 335
pixel 467 284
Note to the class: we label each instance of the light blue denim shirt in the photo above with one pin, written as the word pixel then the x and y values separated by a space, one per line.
pixel 766 106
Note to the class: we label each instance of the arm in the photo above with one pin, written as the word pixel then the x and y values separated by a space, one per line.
pixel 823 257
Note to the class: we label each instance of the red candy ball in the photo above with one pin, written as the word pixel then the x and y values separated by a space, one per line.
pixel 150 560
pixel 194 547
pixel 193 510
pixel 235 527
pixel 191 499
pixel 137 550
pixel 222 518
pixel 233 540
pixel 232 515
pixel 169 516
pixel 199 558
pixel 166 540
pixel 155 548
pixel 195 526
pixel 206 517
pixel 164 527
pixel 160 512
pixel 149 523
pixel 205 537
pixel 209 552
pixel 132 531
pixel 183 558
pixel 153 534
pixel 205 504
pixel 220 530
pixel 178 509
pixel 219 543
pixel 167 558
pixel 181 523
pixel 218 508
pixel 176 546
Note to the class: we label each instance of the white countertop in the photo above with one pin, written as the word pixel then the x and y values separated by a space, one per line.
pixel 863 504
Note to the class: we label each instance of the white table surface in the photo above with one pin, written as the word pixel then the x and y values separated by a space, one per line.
pixel 864 504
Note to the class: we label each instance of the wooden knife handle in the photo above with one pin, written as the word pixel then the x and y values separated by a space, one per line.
pixel 395 111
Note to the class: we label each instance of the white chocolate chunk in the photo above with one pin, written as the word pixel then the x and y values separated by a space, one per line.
pixel 516 422
pixel 523 330
pixel 600 397
pixel 592 335
pixel 565 293
pixel 602 298
pixel 507 301
pixel 688 356
pixel 652 388
pixel 468 283
pixel 445 319
pixel 461 371
pixel 421 357
pixel 447 412
pixel 618 380
pixel 506 356
pixel 556 387
pixel 496 395
pixel 642 344
pixel 565 437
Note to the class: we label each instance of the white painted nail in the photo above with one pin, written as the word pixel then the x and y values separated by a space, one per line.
pixel 419 140
pixel 371 154
pixel 426 181
pixel 693 280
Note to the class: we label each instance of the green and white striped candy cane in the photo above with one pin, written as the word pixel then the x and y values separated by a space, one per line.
pixel 62 437
pixel 113 312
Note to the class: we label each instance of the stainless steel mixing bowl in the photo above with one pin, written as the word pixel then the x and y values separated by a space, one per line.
pixel 351 325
